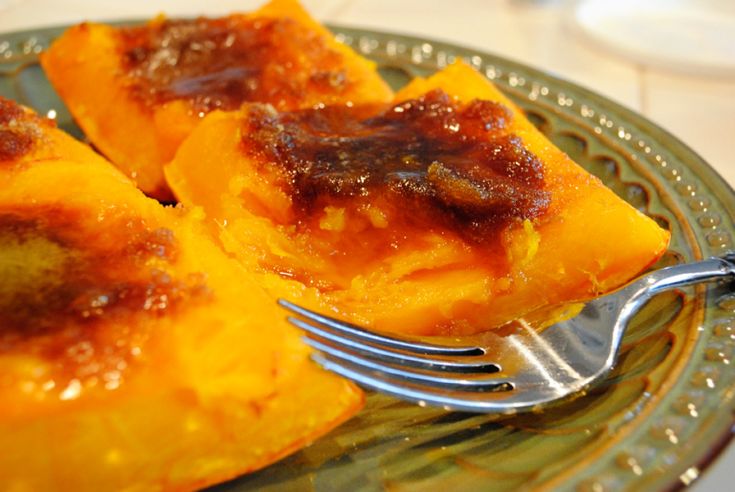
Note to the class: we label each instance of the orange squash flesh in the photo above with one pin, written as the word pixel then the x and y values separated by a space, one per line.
pixel 277 54
pixel 27 137
pixel 133 352
pixel 363 263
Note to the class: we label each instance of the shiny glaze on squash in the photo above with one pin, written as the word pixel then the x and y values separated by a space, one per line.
pixel 137 92
pixel 133 353
pixel 394 264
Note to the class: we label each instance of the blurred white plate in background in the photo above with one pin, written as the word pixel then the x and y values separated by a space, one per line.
pixel 695 36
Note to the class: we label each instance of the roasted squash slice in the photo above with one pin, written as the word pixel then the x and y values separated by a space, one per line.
pixel 138 91
pixel 444 213
pixel 134 355
pixel 26 137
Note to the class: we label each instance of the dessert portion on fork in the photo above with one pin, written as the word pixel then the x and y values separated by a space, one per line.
pixel 162 359
pixel 445 212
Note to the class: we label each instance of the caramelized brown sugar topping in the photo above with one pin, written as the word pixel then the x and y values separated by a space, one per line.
pixel 221 63
pixel 435 163
pixel 19 131
pixel 81 298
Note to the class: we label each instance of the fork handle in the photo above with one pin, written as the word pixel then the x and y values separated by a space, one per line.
pixel 710 270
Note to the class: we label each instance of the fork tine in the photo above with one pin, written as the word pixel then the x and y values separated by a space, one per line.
pixel 482 384
pixel 368 336
pixel 393 357
pixel 501 402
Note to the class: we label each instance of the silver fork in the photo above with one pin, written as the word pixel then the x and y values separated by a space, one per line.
pixel 497 372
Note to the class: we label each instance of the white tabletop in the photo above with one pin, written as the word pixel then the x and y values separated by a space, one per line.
pixel 698 109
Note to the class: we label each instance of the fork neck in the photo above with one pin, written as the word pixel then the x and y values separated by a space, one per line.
pixel 710 270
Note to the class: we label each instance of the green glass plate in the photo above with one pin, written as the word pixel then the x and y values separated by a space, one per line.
pixel 656 421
